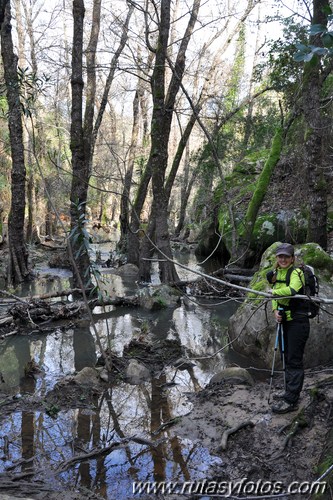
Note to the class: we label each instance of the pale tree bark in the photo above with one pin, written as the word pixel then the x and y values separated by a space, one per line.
pixel 20 33
pixel 25 29
pixel 314 144
pixel 185 192
pixel 18 255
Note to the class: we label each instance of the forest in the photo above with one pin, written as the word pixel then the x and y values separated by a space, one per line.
pixel 154 129
pixel 162 119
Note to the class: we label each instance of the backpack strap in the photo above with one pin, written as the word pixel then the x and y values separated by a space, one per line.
pixel 288 275
pixel 287 280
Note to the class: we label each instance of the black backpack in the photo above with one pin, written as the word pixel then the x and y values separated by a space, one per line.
pixel 310 289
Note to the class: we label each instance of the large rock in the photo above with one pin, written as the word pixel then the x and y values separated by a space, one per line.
pixel 137 373
pixel 159 297
pixel 252 329
pixel 234 375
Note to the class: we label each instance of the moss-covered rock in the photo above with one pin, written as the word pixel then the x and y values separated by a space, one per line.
pixel 158 297
pixel 252 328
pixel 269 226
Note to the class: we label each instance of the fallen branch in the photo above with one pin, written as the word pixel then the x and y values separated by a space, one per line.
pixel 38 312
pixel 107 449
pixel 9 334
pixel 6 320
pixel 228 432
pixel 8 294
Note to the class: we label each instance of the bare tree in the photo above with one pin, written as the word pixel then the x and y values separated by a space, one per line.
pixel 163 107
pixel 18 255
pixel 84 130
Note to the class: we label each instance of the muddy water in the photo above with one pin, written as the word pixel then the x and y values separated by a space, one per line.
pixel 44 440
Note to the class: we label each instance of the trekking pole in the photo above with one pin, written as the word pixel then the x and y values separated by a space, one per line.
pixel 283 355
pixel 273 364
pixel 281 335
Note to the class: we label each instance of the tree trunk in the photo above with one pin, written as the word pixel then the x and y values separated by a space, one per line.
pixel 80 177
pixel 18 255
pixel 185 195
pixel 163 107
pixel 133 255
pixel 314 156
pixel 83 137
pixel 124 203
pixel 246 231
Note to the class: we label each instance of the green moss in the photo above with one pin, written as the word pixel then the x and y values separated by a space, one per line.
pixel 324 465
pixel 309 253
pixel 314 391
pixel 262 184
pixel 260 284
pixel 313 255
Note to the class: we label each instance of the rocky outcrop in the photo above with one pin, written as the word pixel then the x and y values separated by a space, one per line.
pixel 252 328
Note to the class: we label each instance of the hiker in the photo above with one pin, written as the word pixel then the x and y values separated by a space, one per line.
pixel 292 315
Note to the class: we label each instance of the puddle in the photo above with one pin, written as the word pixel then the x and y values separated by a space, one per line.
pixel 46 445
pixel 130 421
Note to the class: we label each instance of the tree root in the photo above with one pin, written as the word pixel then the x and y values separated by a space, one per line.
pixel 228 432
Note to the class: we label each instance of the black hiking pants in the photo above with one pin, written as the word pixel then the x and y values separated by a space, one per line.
pixel 295 334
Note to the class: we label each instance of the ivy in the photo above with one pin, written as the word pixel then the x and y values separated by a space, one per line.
pixel 324 33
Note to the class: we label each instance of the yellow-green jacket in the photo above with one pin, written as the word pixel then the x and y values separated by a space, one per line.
pixel 281 289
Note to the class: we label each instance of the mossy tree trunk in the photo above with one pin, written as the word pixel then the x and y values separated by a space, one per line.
pixel 17 269
pixel 241 255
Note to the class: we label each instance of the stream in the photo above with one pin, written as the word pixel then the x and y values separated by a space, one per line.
pixel 42 440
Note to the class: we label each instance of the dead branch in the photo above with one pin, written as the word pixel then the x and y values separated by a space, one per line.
pixel 9 334
pixel 228 432
pixel 8 294
pixel 6 320
pixel 102 451
pixel 37 312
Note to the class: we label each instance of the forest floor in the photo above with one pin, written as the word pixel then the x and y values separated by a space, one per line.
pixel 264 453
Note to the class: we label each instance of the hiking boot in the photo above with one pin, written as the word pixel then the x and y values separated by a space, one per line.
pixel 279 395
pixel 284 407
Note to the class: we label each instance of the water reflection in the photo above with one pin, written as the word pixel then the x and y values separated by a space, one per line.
pixel 106 432
pixel 120 412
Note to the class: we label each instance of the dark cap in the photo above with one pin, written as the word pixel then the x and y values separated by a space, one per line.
pixel 285 249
